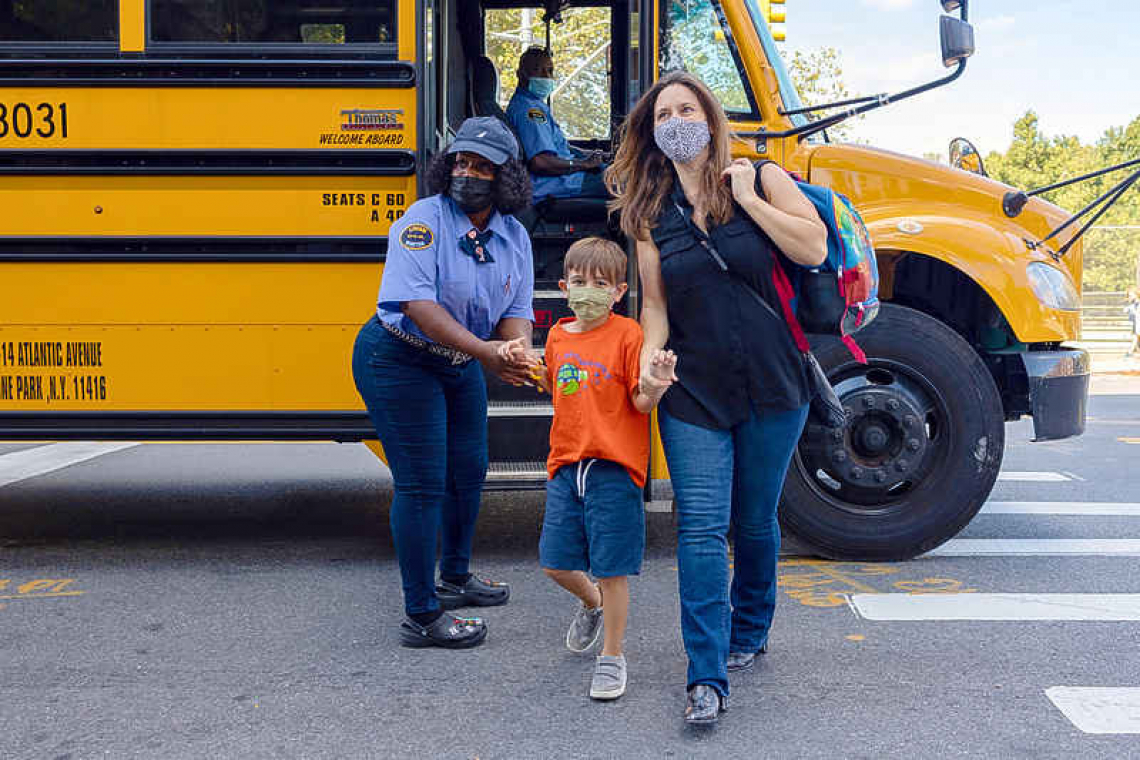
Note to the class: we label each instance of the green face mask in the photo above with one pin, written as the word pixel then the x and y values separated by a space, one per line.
pixel 589 304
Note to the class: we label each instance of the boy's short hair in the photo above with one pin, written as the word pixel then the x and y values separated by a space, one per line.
pixel 596 255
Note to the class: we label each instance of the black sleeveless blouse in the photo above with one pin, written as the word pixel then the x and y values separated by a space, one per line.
pixel 732 355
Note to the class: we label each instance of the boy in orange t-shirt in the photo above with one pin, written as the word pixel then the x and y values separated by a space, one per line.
pixel 599 451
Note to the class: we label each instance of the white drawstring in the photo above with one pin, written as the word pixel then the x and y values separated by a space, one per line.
pixel 582 475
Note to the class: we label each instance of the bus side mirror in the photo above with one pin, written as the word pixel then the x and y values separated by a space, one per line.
pixel 957 40
pixel 963 155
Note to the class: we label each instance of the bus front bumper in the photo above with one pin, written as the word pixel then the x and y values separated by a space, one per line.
pixel 1058 391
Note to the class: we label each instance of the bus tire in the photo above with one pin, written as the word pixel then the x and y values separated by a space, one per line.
pixel 920 453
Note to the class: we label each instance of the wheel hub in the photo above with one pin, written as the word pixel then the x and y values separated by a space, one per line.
pixel 883 444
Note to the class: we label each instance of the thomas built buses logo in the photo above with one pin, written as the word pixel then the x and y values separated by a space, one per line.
pixel 374 127
pixel 371 119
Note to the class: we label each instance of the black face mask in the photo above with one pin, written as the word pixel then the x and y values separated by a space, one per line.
pixel 471 193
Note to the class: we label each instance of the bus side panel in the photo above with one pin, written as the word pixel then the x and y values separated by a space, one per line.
pixel 179 367
pixel 193 118
pixel 195 249
pixel 203 206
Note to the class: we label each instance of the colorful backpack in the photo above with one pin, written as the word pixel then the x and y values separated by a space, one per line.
pixel 840 296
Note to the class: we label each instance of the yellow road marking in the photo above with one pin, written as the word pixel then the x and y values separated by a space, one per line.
pixel 825 583
pixel 831 572
pixel 1129 440
pixel 43 596
pixel 40 588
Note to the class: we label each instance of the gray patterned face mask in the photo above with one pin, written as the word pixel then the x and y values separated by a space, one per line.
pixel 681 140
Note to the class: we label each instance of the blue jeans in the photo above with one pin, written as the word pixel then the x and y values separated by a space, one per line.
pixel 724 478
pixel 594 520
pixel 593 186
pixel 431 417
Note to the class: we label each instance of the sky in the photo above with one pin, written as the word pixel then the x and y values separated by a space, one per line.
pixel 1077 64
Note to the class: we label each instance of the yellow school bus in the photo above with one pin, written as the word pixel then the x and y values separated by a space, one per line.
pixel 197 195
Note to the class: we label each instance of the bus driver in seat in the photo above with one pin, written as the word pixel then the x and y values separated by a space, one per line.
pixel 557 170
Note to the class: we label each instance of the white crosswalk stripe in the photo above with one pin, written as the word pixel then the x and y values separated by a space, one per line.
pixel 1086 508
pixel 30 463
pixel 997 607
pixel 1099 709
pixel 1040 547
pixel 1034 477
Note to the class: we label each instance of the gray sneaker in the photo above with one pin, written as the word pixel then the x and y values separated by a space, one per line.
pixel 585 629
pixel 609 677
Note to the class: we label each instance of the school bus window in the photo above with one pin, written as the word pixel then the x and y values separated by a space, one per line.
pixel 59 21
pixel 322 34
pixel 252 22
pixel 694 38
pixel 580 47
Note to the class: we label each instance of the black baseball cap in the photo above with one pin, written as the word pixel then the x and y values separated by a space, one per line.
pixel 488 137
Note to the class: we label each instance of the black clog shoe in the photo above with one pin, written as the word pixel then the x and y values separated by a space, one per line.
pixel 474 592
pixel 447 631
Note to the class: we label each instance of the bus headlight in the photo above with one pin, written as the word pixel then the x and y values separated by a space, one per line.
pixel 1053 287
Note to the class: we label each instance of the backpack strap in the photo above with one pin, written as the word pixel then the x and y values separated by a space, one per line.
pixel 758 165
pixel 786 294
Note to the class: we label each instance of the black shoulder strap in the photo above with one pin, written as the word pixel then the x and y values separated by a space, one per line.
pixel 759 184
pixel 706 243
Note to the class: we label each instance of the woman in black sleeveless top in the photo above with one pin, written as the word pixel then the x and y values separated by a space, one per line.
pixel 731 421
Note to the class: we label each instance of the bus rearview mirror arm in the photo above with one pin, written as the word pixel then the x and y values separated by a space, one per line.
pixel 876 101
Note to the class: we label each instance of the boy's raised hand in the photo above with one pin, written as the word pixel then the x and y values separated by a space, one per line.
pixel 661 374
pixel 516 352
pixel 663 365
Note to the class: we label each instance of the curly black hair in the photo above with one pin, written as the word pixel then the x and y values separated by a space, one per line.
pixel 511 192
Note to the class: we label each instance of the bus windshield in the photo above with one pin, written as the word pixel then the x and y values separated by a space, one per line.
pixel 788 93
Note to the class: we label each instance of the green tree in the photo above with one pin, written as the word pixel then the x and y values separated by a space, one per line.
pixel 1035 159
pixel 818 77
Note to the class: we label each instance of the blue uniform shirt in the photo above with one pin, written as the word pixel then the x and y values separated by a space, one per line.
pixel 425 263
pixel 534 123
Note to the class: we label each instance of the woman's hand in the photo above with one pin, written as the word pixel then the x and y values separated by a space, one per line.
pixel 788 217
pixel 514 351
pixel 741 175
pixel 508 360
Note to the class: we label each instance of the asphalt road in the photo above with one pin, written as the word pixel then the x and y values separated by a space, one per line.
pixel 178 601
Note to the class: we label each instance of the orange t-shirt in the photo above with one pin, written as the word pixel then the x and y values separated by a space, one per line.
pixel 593 376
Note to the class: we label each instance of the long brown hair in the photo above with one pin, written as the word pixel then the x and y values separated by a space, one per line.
pixel 641 177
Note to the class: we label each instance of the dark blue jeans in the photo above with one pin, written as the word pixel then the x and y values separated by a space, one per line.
pixel 724 478
pixel 431 417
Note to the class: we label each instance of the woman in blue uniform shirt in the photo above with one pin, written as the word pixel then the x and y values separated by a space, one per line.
pixel 457 284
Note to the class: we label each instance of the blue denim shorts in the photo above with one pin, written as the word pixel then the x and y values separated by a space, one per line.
pixel 595 520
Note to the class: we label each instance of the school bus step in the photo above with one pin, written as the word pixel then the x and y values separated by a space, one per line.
pixel 539 408
pixel 516 475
